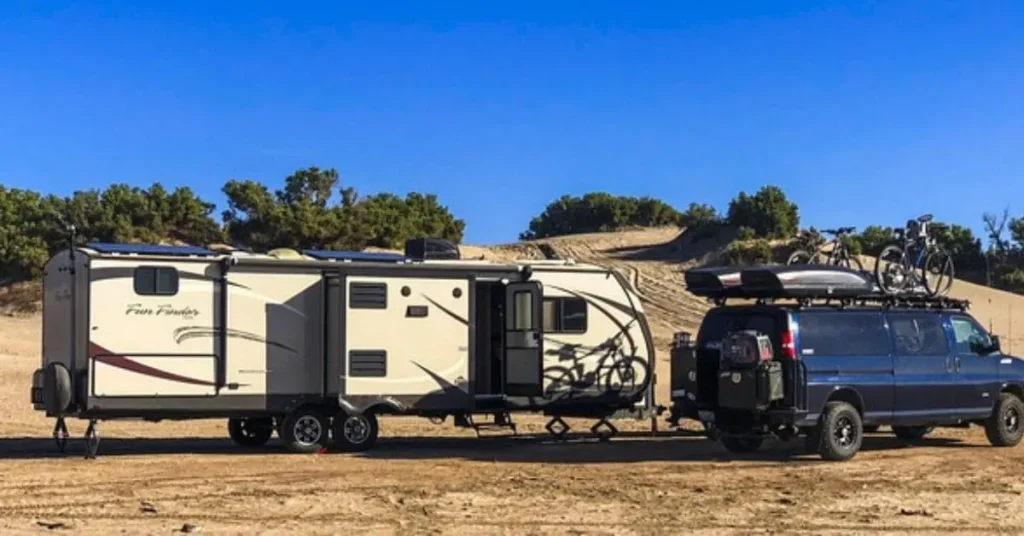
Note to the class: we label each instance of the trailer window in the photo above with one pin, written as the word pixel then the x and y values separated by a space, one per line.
pixel 565 315
pixel 156 281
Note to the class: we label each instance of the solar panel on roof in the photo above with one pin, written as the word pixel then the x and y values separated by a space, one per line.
pixel 365 256
pixel 149 249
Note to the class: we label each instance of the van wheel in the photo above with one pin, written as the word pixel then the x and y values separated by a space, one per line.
pixel 742 444
pixel 250 432
pixel 840 432
pixel 354 433
pixel 911 433
pixel 1003 427
pixel 304 430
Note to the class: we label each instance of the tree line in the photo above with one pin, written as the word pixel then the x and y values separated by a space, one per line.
pixel 314 210
pixel 311 210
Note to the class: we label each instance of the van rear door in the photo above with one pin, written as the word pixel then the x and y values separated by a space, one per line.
pixel 719 322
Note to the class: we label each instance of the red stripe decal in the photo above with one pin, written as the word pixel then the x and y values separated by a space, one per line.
pixel 105 356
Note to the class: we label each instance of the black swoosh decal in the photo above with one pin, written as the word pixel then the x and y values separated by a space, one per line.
pixel 446 310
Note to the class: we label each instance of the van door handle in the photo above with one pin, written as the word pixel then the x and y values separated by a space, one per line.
pixel 956 364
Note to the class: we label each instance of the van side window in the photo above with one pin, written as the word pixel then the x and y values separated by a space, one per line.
pixel 965 329
pixel 824 334
pixel 155 281
pixel 918 334
pixel 565 315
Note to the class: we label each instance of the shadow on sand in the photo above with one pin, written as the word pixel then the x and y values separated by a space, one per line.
pixel 687 246
pixel 628 447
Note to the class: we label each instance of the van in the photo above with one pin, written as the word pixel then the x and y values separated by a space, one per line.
pixel 840 366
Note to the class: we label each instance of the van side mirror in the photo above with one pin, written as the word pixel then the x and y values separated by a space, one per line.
pixel 984 349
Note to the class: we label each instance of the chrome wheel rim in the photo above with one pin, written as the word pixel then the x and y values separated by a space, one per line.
pixel 356 429
pixel 307 430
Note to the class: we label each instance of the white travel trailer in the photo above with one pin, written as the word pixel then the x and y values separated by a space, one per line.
pixel 315 344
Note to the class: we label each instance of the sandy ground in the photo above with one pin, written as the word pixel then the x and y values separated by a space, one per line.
pixel 175 477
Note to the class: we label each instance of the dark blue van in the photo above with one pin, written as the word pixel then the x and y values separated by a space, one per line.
pixel 841 368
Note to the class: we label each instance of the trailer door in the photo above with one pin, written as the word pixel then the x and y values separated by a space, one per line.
pixel 524 351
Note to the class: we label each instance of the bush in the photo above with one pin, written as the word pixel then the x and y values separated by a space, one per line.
pixel 601 212
pixel 767 212
pixel 745 234
pixel 759 251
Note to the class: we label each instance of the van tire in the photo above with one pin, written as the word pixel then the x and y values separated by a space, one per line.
pixel 741 445
pixel 250 432
pixel 1004 427
pixel 911 433
pixel 839 418
pixel 355 432
pixel 305 430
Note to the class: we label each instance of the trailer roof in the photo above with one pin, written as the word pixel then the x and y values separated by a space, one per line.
pixel 150 249
pixel 364 256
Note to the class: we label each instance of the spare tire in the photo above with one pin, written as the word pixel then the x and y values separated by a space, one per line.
pixel 56 388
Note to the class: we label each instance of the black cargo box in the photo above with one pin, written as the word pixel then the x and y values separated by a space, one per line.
pixel 431 248
pixel 717 281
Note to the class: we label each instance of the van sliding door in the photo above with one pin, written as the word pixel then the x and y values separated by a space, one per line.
pixel 524 349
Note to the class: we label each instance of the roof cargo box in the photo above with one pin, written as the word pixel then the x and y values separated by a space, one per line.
pixel 431 248
pixel 717 281
pixel 798 281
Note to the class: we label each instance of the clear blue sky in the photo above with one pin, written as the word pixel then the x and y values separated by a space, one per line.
pixel 864 112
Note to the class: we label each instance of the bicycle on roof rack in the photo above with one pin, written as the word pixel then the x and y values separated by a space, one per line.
pixel 838 255
pixel 898 264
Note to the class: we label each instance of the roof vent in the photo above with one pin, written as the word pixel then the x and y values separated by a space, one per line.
pixel 431 249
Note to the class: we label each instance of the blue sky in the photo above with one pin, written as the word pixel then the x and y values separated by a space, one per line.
pixel 864 112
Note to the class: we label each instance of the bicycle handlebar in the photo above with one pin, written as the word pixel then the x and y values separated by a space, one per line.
pixel 839 231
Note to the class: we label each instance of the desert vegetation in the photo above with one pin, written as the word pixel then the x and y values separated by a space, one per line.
pixel 312 209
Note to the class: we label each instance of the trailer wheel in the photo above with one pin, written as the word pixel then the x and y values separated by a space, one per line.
pixel 304 430
pixel 249 432
pixel 839 433
pixel 354 432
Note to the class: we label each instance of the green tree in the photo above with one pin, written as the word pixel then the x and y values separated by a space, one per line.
pixel 873 239
pixel 768 212
pixel 698 215
pixel 599 212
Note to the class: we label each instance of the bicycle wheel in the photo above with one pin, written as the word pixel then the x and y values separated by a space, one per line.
pixel 891 270
pixel 938 273
pixel 846 260
pixel 802 257
pixel 623 379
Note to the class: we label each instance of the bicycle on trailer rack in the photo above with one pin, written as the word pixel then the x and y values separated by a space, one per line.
pixel 838 255
pixel 895 271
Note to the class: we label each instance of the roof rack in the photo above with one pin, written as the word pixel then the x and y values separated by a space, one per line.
pixel 150 249
pixel 806 285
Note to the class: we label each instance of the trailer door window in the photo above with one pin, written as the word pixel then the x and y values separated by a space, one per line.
pixel 565 315
pixel 156 281
pixel 522 310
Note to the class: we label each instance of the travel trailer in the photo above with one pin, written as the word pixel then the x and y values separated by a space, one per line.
pixel 313 345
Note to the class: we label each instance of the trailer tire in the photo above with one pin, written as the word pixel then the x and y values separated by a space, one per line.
pixel 355 432
pixel 250 432
pixel 56 388
pixel 839 433
pixel 305 430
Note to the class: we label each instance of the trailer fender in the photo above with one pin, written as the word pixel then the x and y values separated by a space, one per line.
pixel 376 404
pixel 56 388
